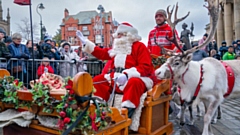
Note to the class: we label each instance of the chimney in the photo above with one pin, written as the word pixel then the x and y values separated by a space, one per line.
pixel 66 13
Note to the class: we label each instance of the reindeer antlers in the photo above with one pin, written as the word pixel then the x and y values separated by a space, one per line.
pixel 173 24
pixel 213 11
pixel 176 20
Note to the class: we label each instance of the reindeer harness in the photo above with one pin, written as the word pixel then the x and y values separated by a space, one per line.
pixel 198 86
pixel 230 77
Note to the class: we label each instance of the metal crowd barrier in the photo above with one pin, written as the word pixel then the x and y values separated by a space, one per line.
pixel 26 70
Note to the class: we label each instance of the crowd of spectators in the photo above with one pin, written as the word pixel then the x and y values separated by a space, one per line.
pixel 48 57
pixel 225 52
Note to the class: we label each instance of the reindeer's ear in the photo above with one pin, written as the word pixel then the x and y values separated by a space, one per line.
pixel 187 58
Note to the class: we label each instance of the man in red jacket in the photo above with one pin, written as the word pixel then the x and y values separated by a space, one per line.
pixel 131 65
pixel 157 36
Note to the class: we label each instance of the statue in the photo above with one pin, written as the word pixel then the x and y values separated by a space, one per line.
pixel 185 36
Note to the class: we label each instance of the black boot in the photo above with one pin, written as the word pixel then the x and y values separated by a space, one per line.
pixel 130 112
pixel 170 110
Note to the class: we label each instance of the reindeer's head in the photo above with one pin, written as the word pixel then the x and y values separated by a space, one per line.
pixel 177 64
pixel 174 66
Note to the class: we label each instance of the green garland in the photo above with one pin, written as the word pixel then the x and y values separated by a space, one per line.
pixel 8 90
pixel 69 110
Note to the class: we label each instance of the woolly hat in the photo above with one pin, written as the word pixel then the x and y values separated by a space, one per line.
pixel 65 43
pixel 2 31
pixel 234 42
pixel 46 38
pixel 162 12
pixel 125 28
pixel 224 42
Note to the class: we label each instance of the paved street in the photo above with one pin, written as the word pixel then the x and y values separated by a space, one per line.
pixel 228 125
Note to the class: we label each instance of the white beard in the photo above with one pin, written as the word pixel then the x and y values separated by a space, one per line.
pixel 121 45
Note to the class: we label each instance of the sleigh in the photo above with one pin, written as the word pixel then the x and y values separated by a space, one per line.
pixel 153 120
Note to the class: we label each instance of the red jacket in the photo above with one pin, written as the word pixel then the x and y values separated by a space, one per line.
pixel 160 33
pixel 40 70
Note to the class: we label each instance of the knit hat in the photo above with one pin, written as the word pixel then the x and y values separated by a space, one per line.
pixel 65 43
pixel 126 28
pixel 2 31
pixel 162 12
pixel 46 38
pixel 234 42
pixel 224 42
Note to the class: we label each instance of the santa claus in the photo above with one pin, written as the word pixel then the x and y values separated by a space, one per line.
pixel 131 66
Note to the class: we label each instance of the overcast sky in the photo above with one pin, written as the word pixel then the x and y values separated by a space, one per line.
pixel 139 13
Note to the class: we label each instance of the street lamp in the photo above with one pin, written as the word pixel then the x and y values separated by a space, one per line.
pixel 40 6
pixel 100 7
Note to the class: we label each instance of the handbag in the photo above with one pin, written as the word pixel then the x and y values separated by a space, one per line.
pixel 17 69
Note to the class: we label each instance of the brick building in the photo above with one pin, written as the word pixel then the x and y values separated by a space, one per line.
pixel 89 22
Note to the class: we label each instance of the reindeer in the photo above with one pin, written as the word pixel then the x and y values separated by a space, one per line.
pixel 207 80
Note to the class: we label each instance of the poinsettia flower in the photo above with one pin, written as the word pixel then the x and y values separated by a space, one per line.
pixel 68 87
pixel 70 82
pixel 71 91
pixel 66 120
pixel 16 82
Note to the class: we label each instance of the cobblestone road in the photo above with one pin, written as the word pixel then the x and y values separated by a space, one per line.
pixel 228 125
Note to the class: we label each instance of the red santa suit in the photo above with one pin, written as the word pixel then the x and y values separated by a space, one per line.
pixel 128 56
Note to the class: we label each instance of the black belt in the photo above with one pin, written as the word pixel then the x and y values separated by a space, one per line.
pixel 118 70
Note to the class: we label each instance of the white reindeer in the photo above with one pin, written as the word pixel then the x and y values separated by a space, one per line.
pixel 209 76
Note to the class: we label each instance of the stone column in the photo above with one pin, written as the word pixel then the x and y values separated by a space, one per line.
pixel 237 18
pixel 228 23
pixel 220 29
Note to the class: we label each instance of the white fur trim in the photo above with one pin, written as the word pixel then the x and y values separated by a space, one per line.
pixel 131 72
pixel 128 104
pixel 148 82
pixel 119 60
pixel 125 28
pixel 107 77
pixel 89 47
pixel 136 115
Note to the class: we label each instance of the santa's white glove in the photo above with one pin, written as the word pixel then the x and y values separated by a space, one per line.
pixel 122 79
pixel 81 37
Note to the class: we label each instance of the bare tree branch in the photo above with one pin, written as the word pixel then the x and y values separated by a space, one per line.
pixel 25 29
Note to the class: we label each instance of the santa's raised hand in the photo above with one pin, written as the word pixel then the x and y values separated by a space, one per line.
pixel 81 37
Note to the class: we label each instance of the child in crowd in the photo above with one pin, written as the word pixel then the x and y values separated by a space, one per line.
pixel 44 67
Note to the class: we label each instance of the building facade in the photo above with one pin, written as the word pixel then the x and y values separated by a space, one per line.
pixel 228 27
pixel 4 24
pixel 97 27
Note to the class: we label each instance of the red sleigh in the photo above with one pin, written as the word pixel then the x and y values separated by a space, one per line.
pixel 153 120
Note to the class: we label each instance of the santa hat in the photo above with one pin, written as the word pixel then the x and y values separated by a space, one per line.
pixel 125 28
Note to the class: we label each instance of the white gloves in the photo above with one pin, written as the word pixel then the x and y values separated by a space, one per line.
pixel 122 79
pixel 81 37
